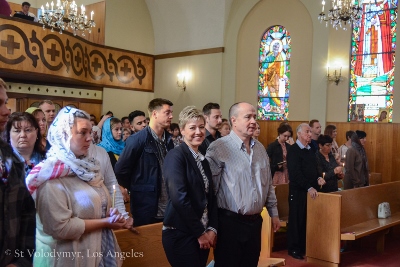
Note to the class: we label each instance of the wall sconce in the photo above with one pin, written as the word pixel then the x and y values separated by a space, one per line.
pixel 336 76
pixel 181 82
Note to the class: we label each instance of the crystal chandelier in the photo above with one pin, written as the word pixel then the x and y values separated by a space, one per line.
pixel 64 16
pixel 342 13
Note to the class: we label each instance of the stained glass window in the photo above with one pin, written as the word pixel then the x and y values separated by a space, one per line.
pixel 372 62
pixel 274 74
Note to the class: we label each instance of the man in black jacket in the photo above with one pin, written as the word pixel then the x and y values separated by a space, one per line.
pixel 304 178
pixel 139 166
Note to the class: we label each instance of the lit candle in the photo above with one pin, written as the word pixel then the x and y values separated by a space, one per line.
pixel 82 10
pixel 113 197
pixel 91 15
pixel 42 9
pixel 323 177
pixel 52 5
pixel 323 5
pixel 47 5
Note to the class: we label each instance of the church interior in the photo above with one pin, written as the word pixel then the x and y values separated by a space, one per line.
pixel 193 52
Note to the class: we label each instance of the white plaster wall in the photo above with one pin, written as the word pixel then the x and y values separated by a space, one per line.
pixel 128 26
pixel 338 95
pixel 203 86
pixel 122 102
pixel 185 25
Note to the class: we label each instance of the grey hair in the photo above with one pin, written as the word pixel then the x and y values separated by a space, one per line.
pixel 300 127
pixel 190 113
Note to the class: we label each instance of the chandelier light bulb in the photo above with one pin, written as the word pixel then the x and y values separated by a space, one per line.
pixel 65 16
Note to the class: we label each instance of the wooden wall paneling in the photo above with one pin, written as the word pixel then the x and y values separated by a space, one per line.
pixel 12 104
pixel 15 7
pixel 395 164
pixel 31 53
pixel 381 148
pixel 74 104
pixel 269 130
pixel 98 33
pixel 92 108
pixel 22 104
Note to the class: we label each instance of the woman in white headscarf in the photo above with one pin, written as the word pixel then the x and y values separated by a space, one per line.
pixel 74 214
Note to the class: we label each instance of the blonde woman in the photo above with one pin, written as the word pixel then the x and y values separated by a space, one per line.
pixel 190 222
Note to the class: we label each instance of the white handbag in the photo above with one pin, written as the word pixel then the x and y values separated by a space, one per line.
pixel 384 210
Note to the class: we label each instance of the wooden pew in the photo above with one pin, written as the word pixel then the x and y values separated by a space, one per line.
pixel 147 245
pixel 375 178
pixel 282 195
pixel 266 243
pixel 348 215
pixel 145 249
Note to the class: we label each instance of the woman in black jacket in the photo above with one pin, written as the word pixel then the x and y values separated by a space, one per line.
pixel 277 151
pixel 190 219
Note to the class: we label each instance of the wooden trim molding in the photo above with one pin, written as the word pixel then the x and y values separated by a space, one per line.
pixel 54 98
pixel 191 53
pixel 31 51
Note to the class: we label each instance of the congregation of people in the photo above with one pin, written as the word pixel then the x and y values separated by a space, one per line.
pixel 65 178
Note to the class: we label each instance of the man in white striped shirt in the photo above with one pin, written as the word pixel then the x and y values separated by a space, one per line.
pixel 243 185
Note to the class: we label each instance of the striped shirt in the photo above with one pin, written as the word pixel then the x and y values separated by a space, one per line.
pixel 242 181
pixel 161 153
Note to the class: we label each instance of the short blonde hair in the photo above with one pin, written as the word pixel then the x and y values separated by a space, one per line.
pixel 188 114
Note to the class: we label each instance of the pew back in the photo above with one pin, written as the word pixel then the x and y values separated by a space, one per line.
pixel 282 195
pixel 323 227
pixel 361 204
pixel 147 245
pixel 348 215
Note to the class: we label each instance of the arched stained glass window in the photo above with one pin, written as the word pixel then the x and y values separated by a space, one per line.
pixel 274 74
pixel 372 62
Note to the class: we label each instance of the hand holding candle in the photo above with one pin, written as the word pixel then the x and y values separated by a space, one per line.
pixel 113 197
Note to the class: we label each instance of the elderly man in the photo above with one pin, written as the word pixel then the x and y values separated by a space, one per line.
pixel 139 166
pixel 17 209
pixel 243 185
pixel 304 178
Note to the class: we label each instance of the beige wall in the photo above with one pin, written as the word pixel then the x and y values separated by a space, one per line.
pixel 251 31
pixel 204 85
pixel 338 95
pixel 128 26
pixel 122 102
